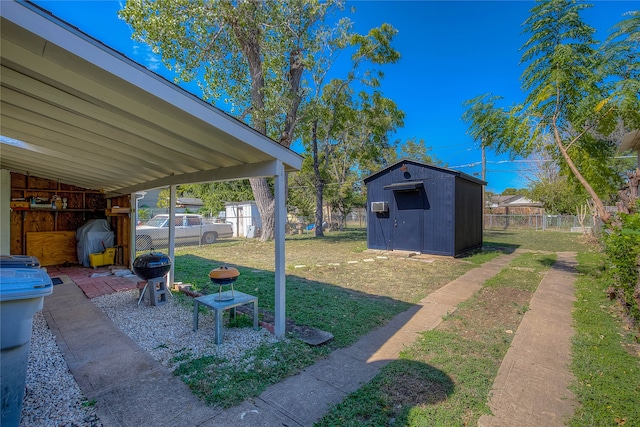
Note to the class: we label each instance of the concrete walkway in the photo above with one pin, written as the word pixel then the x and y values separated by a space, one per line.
pixel 531 388
pixel 129 387
pixel 303 399
pixel 132 389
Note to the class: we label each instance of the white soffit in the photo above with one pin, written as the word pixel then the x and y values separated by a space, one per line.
pixel 77 111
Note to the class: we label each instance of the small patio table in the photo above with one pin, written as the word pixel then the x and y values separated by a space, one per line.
pixel 221 301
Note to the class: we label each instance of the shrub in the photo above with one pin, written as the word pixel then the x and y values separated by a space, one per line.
pixel 622 246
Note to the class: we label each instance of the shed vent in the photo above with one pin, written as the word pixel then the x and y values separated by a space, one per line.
pixel 379 206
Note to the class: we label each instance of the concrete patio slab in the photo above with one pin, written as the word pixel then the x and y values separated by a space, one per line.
pixel 147 402
pixel 251 414
pixel 129 387
pixel 343 371
pixel 303 397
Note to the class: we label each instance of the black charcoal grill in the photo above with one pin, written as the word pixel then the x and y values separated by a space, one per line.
pixel 152 265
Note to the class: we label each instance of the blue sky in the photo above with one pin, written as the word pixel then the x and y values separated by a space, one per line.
pixel 451 51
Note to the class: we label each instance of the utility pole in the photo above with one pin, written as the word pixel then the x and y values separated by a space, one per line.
pixel 484 164
pixel 484 178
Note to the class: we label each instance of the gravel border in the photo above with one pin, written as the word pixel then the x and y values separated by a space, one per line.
pixel 166 331
pixel 53 397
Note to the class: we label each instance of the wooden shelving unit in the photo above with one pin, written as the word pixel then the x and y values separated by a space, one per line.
pixel 49 234
pixel 82 205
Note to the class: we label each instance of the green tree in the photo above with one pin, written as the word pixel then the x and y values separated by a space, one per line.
pixel 164 199
pixel 558 195
pixel 571 99
pixel 510 191
pixel 352 129
pixel 301 195
pixel 250 55
pixel 215 194
pixel 414 149
pixel 483 118
pixel 331 125
pixel 367 138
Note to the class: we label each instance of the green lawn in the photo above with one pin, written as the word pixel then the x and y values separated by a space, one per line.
pixel 537 240
pixel 330 286
pixel 606 356
pixel 444 378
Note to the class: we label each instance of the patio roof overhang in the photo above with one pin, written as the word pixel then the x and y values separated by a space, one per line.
pixel 80 112
pixel 73 109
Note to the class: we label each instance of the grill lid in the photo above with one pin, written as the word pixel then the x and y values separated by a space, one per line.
pixel 151 265
pixel 224 274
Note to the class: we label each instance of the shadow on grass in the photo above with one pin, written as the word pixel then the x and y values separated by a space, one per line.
pixel 347 314
pixel 505 248
pixel 400 386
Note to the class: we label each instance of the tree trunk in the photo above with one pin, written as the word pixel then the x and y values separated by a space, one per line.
pixel 602 212
pixel 319 182
pixel 319 210
pixel 266 206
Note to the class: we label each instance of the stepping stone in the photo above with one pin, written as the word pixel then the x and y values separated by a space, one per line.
pixel 312 336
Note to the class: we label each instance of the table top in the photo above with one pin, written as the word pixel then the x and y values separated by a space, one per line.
pixel 239 299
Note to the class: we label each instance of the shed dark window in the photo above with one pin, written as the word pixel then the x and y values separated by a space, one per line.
pixel 404 186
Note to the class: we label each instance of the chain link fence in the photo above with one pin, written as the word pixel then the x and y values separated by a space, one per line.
pixel 569 223
pixel 358 220
pixel 300 224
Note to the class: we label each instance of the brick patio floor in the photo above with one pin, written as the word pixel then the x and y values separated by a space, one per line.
pixel 98 285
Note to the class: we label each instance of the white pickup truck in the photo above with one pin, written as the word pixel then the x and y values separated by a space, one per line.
pixel 189 228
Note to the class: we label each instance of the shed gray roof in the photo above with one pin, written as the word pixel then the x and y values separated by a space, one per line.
pixel 445 170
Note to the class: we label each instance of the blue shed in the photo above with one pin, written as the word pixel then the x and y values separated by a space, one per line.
pixel 424 208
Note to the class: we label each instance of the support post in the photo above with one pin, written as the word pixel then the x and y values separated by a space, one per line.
pixel 172 233
pixel 280 221
pixel 133 222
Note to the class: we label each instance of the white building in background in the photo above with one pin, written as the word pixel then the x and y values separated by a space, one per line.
pixel 245 218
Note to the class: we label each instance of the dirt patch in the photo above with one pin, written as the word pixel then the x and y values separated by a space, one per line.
pixel 339 263
pixel 492 309
pixel 411 390
pixel 632 349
